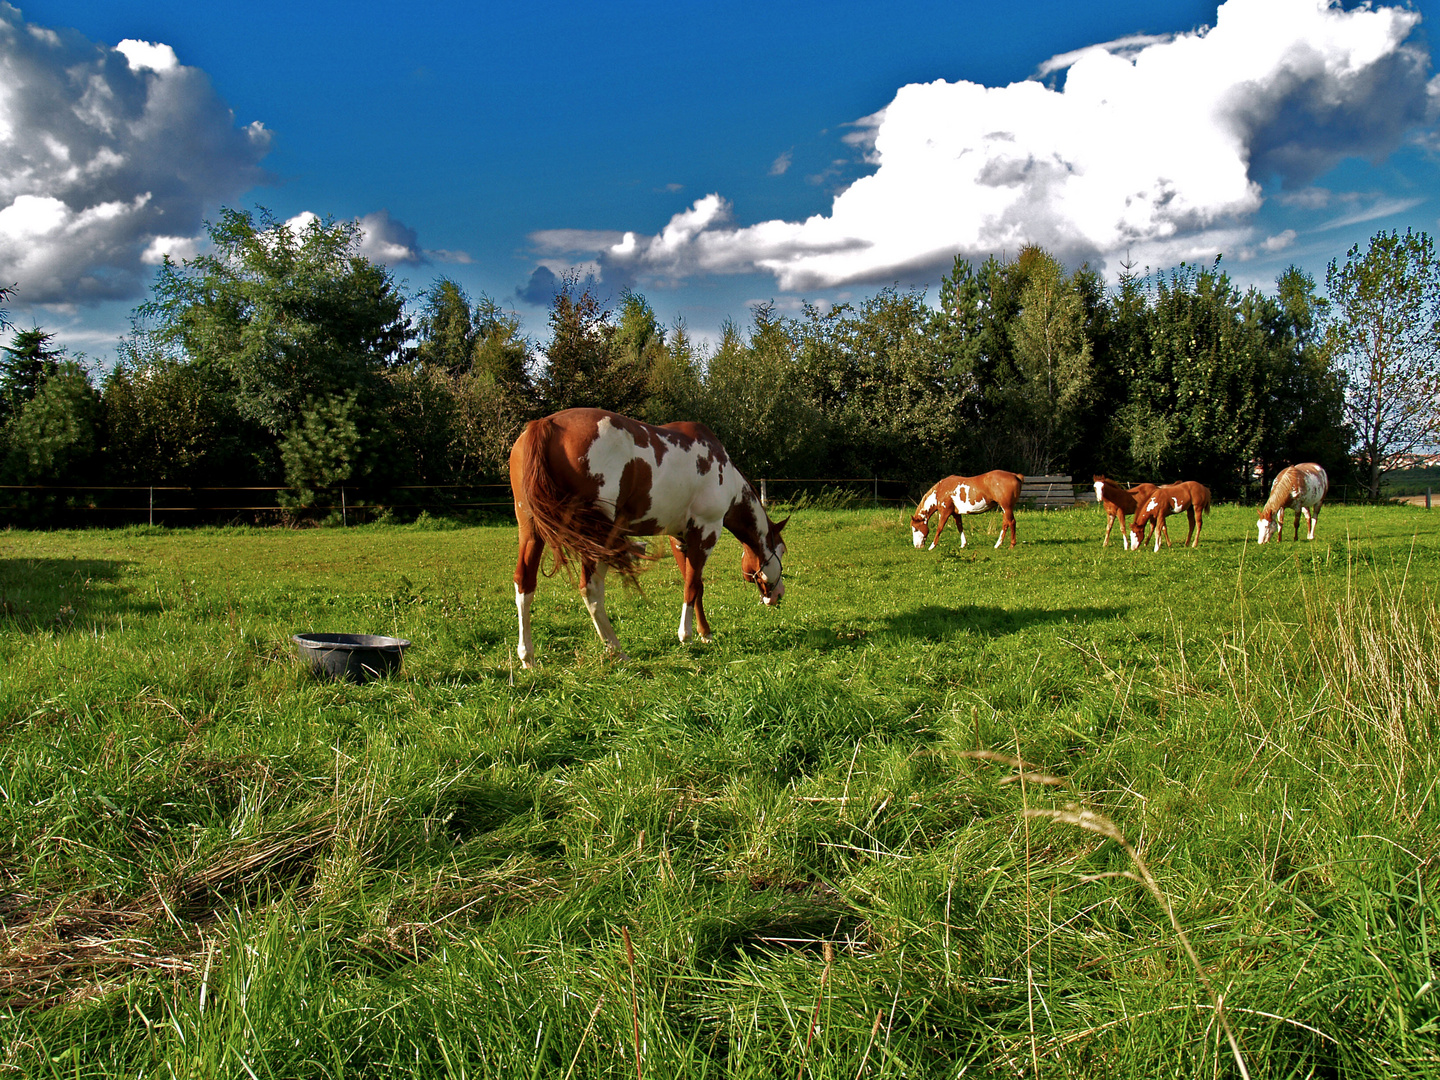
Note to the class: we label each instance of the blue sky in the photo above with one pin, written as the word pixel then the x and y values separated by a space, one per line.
pixel 709 155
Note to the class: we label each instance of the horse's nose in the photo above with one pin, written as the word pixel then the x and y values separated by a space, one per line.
pixel 775 594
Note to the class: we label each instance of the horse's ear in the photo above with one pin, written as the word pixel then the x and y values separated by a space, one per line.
pixel 778 525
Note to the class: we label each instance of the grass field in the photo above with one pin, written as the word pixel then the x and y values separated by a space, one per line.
pixel 1060 811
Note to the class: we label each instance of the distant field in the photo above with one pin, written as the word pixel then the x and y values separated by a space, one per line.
pixel 900 826
pixel 1412 482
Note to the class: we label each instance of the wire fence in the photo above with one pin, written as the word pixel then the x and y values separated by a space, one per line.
pixel 84 505
pixel 264 504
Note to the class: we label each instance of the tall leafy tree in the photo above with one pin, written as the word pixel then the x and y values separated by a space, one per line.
pixel 1384 333
pixel 675 374
pixel 755 402
pixel 1305 394
pixel 1052 359
pixel 892 397
pixel 584 364
pixel 288 316
pixel 977 308
pixel 53 437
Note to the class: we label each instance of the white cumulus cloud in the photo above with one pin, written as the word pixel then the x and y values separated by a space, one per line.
pixel 1162 146
pixel 109 159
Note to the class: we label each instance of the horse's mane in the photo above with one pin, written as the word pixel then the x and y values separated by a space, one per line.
pixel 570 527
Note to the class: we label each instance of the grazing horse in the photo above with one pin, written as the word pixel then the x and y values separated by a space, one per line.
pixel 586 480
pixel 1301 486
pixel 1118 502
pixel 1188 496
pixel 961 495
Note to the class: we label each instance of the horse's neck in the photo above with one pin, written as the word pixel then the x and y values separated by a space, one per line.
pixel 1278 500
pixel 746 519
pixel 1120 497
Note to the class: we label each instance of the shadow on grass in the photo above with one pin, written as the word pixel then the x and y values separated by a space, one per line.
pixel 937 623
pixel 49 594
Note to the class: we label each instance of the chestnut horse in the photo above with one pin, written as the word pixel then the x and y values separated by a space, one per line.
pixel 961 495
pixel 1192 498
pixel 1301 486
pixel 586 480
pixel 1118 502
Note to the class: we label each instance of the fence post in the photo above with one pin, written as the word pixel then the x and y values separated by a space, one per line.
pixel 344 516
pixel 877 491
pixel 764 495
pixel 1427 498
pixel 152 504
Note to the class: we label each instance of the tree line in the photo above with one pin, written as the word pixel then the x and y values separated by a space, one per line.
pixel 285 357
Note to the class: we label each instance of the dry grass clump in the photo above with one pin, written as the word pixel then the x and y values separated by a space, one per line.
pixel 1379 658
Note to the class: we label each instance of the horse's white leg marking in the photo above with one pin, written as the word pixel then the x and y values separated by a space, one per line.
pixel 962 531
pixel 687 622
pixel 595 604
pixel 1002 536
pixel 1310 521
pixel 526 648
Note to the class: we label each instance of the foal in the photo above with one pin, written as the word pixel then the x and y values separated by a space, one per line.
pixel 1118 502
pixel 1191 497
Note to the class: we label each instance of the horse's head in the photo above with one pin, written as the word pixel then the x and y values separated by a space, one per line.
pixel 1100 483
pixel 763 566
pixel 1266 524
pixel 1146 512
pixel 919 529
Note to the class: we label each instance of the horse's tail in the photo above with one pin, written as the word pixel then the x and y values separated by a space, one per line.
pixel 1203 502
pixel 570 527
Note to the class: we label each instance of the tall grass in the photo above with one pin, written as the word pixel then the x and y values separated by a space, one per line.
pixel 1057 812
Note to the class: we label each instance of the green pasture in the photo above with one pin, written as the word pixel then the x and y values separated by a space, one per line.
pixel 1058 811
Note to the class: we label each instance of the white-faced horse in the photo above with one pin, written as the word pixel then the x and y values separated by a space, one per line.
pixel 1301 486
pixel 1188 496
pixel 961 495
pixel 1118 502
pixel 586 480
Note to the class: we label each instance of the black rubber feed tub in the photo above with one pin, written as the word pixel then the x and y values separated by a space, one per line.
pixel 357 657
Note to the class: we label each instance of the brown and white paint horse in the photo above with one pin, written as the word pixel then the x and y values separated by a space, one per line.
pixel 961 495
pixel 1118 502
pixel 1301 486
pixel 586 480
pixel 1192 498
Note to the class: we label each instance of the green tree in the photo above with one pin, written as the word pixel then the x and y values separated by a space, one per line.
pixel 977 307
pixel 890 393
pixel 1052 359
pixel 446 329
pixel 584 364
pixel 1196 406
pixel 1305 394
pixel 321 449
pixel 287 317
pixel 54 436
pixel 754 401
pixel 25 364
pixel 1384 333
